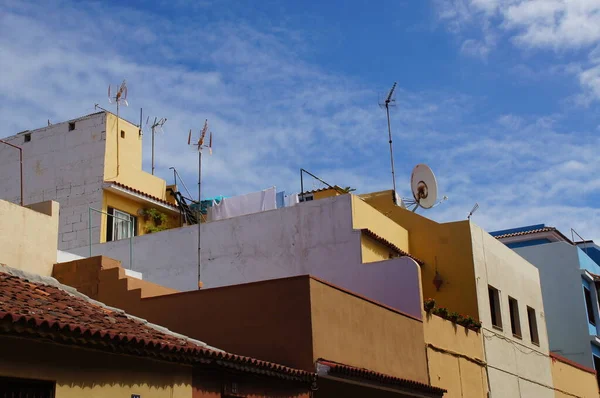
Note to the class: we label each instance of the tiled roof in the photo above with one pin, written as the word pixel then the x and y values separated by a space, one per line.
pixel 351 372
pixel 137 191
pixel 556 357
pixel 521 233
pixel 42 307
pixel 335 188
pixel 389 244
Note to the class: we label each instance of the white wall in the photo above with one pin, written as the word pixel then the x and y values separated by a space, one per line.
pixel 60 165
pixel 313 238
pixel 517 368
pixel 566 315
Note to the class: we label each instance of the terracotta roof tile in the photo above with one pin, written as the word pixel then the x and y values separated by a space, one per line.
pixel 137 191
pixel 521 233
pixel 28 307
pixel 389 244
pixel 347 371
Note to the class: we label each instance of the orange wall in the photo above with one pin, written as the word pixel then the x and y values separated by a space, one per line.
pixel 351 330
pixel 446 247
pixel 571 379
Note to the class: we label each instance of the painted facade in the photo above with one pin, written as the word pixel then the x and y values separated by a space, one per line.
pixel 77 164
pixel 465 262
pixel 572 379
pixel 323 238
pixel 573 324
pixel 324 322
pixel 28 236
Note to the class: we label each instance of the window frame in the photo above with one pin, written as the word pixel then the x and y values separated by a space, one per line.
pixel 533 328
pixel 112 220
pixel 495 307
pixel 515 319
pixel 589 305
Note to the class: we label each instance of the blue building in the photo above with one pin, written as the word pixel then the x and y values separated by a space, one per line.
pixel 570 277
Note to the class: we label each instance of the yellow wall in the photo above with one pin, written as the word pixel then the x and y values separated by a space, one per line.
pixel 366 216
pixel 130 171
pixel 353 331
pixel 133 207
pixel 372 250
pixel 326 193
pixel 91 374
pixel 29 236
pixel 445 246
pixel 455 358
pixel 569 379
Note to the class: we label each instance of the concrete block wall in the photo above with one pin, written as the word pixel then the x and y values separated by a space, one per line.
pixel 63 165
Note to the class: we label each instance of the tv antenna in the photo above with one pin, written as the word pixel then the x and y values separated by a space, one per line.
pixel 156 124
pixel 119 98
pixel 200 145
pixel 424 188
pixel 473 210
pixel 390 101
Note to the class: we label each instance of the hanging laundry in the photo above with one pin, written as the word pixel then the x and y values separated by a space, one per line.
pixel 254 202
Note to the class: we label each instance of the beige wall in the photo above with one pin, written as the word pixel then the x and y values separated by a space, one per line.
pixel 129 151
pixel 455 358
pixel 91 374
pixel 29 236
pixel 509 357
pixel 353 331
pixel 571 380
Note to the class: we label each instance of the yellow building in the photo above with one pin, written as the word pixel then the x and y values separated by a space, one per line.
pixel 92 166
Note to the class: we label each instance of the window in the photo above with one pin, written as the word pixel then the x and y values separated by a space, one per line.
pixel 495 307
pixel 597 367
pixel 27 137
pixel 515 322
pixel 306 197
pixel 26 388
pixel 533 330
pixel 120 225
pixel 122 133
pixel 589 305
pixel 71 126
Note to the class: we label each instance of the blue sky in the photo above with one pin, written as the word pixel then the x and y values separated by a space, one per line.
pixel 499 97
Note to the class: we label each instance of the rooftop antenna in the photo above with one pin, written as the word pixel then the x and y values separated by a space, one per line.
pixel 473 210
pixel 390 101
pixel 200 145
pixel 119 98
pixel 156 124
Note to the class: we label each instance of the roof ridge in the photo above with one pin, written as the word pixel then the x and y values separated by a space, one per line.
pixel 50 281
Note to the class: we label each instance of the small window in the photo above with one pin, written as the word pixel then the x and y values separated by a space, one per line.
pixel 533 330
pixel 122 133
pixel 120 225
pixel 27 138
pixel 71 126
pixel 589 305
pixel 306 197
pixel 515 322
pixel 494 295
pixel 597 367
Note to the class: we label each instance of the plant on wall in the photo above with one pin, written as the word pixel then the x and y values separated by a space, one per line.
pixel 159 220
pixel 467 321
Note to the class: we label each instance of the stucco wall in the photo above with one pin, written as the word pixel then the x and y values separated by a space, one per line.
pixel 315 238
pixel 566 316
pixel 350 330
pixel 571 380
pixel 516 367
pixel 61 165
pixel 28 238
pixel 366 216
pixel 129 149
pixel 455 358
pixel 85 373
pixel 443 247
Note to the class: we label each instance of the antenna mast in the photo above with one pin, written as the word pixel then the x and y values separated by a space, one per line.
pixel 155 124
pixel 387 103
pixel 120 96
pixel 199 146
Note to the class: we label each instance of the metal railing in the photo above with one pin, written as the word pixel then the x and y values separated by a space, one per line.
pixel 127 220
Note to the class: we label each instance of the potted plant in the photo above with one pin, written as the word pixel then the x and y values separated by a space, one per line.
pixel 429 304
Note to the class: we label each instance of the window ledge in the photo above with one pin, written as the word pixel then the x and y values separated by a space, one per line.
pixel 536 344
pixel 498 328
pixel 518 336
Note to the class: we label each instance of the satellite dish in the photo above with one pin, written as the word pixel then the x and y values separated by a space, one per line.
pixel 423 186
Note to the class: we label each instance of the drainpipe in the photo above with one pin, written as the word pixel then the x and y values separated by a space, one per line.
pixel 20 164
